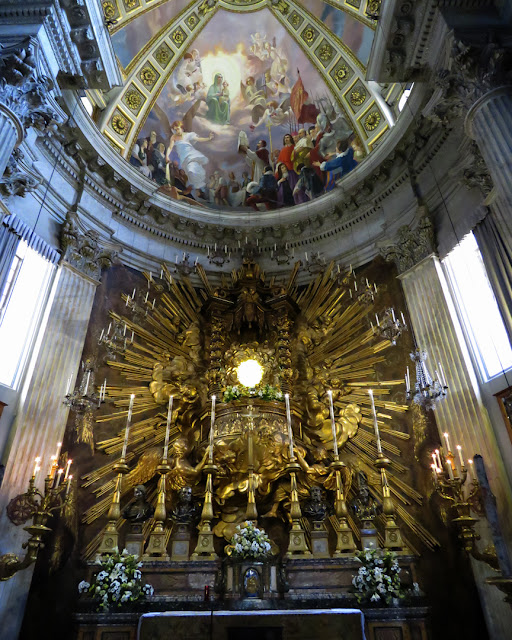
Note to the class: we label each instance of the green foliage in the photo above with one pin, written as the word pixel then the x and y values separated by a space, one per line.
pixel 267 392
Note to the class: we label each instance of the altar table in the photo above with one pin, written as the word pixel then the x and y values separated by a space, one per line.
pixel 306 624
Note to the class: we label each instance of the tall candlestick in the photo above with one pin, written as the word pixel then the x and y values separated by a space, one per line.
pixel 289 422
pixel 127 430
pixel 447 438
pixel 168 427
pixel 212 425
pixel 333 424
pixel 375 425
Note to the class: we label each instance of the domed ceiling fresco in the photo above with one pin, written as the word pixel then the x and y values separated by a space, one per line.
pixel 242 104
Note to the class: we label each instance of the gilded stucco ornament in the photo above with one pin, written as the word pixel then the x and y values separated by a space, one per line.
pixel 372 120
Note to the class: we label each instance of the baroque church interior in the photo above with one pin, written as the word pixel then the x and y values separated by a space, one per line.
pixel 255 319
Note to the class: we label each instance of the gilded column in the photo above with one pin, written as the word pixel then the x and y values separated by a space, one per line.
pixel 462 413
pixel 42 415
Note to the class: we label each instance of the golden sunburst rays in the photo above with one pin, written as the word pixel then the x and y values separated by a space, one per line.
pixel 347 352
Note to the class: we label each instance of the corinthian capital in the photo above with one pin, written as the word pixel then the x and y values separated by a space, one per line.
pixel 23 91
pixel 84 250
pixel 411 246
pixel 474 71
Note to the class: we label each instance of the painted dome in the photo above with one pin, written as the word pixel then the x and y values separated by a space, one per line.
pixel 241 104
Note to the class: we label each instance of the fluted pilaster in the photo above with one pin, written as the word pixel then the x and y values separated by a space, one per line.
pixel 462 413
pixel 42 418
pixel 489 123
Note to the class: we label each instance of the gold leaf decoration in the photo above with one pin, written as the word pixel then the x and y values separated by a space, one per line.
pixel 372 121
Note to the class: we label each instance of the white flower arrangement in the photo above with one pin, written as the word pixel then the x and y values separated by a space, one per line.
pixel 118 582
pixel 378 579
pixel 250 542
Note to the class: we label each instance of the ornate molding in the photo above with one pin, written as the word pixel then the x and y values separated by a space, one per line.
pixel 412 246
pixel 474 72
pixel 476 173
pixel 17 181
pixel 84 250
pixel 23 92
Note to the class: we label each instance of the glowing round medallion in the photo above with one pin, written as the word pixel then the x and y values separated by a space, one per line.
pixel 249 373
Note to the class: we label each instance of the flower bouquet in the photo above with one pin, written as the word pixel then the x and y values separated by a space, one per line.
pixel 118 583
pixel 378 579
pixel 266 392
pixel 249 542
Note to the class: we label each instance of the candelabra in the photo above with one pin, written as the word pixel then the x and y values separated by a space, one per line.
pixel 450 480
pixel 83 400
pixel 184 267
pixel 314 263
pixel 389 326
pixel 219 256
pixel 40 506
pixel 282 254
pixel 428 391
pixel 364 292
pixel 115 339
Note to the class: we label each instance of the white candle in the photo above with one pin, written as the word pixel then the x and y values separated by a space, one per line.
pixel 375 425
pixel 68 465
pixel 36 466
pixel 434 471
pixel 87 382
pixel 441 371
pixel 447 438
pixel 154 300
pixel 133 294
pixel 450 469
pixel 101 334
pixel 393 314
pixel 168 427
pixel 212 425
pixel 52 464
pixel 109 327
pixel 161 274
pixel 289 422
pixel 69 484
pixel 124 330
pixel 58 477
pixel 146 298
pixel 333 424
pixel 407 381
pixel 438 459
pixel 470 470
pixel 127 430
pixel 434 461
pixel 57 453
pixel 377 319
pixel 403 319
pixel 461 457
pixel 104 389
pixel 68 386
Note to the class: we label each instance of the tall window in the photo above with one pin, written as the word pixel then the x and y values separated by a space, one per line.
pixel 20 310
pixel 478 308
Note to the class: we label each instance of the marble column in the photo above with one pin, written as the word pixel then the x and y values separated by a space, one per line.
pixel 41 420
pixel 489 123
pixel 462 413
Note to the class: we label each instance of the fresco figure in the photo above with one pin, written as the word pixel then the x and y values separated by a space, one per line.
pixel 191 160
pixel 265 192
pixel 338 164
pixel 218 102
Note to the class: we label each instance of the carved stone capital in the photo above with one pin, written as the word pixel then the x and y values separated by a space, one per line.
pixel 17 181
pixel 475 71
pixel 84 250
pixel 23 92
pixel 412 246
pixel 476 173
